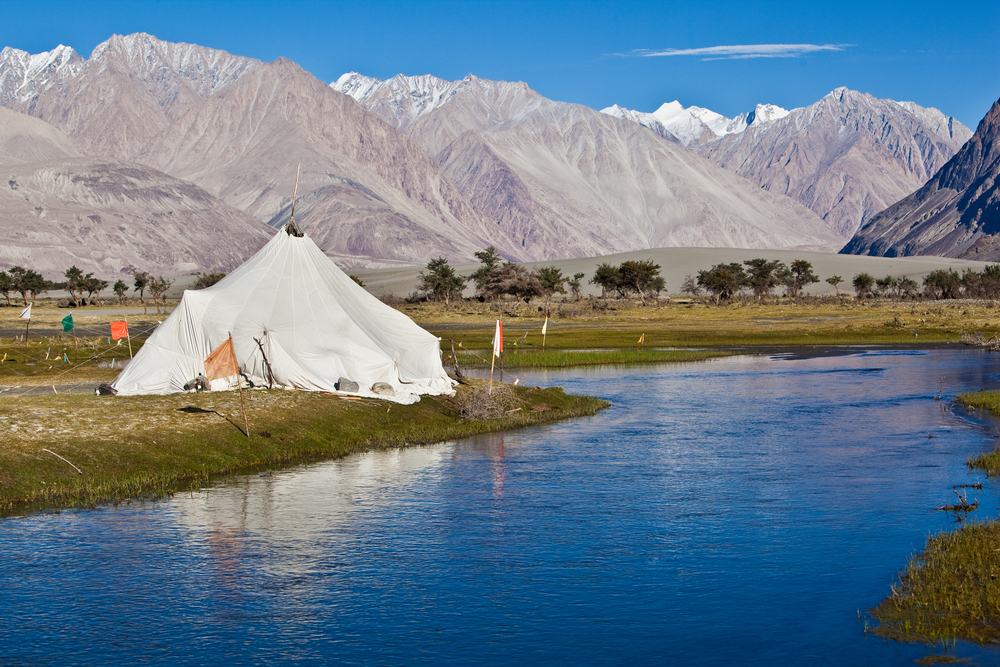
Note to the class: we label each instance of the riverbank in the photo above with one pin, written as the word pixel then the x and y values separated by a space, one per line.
pixel 951 589
pixel 79 450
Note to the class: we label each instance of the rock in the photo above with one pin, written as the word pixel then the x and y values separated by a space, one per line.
pixel 383 389
pixel 343 384
pixel 200 383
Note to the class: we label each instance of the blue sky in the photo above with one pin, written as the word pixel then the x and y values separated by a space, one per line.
pixel 941 54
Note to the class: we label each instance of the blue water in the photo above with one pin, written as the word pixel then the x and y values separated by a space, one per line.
pixel 734 512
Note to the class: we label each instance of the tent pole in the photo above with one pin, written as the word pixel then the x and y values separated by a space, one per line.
pixel 239 383
pixel 129 337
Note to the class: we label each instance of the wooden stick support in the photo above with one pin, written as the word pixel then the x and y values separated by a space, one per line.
pixel 239 385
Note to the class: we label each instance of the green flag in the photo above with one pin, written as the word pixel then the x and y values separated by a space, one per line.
pixel 67 323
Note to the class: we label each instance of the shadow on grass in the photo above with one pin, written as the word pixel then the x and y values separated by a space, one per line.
pixel 194 410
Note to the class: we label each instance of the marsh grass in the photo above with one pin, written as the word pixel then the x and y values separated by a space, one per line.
pixel 678 324
pixel 62 360
pixel 951 590
pixel 534 358
pixel 989 402
pixel 148 446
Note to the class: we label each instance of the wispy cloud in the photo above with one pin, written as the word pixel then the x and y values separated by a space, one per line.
pixel 741 51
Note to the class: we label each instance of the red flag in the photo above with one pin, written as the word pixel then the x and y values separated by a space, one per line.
pixel 222 362
pixel 119 330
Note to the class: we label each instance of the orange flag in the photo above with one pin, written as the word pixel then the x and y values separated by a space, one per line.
pixel 222 362
pixel 119 330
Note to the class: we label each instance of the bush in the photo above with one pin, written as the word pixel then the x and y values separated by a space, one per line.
pixel 482 404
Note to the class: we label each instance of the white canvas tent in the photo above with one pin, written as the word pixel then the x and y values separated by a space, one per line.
pixel 314 325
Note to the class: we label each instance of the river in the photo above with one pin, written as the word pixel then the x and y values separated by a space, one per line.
pixel 738 511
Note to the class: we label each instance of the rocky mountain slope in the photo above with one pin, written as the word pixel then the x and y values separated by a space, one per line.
pixel 955 214
pixel 58 208
pixel 563 180
pixel 239 128
pixel 846 157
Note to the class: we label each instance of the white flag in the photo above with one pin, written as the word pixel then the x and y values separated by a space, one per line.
pixel 26 313
pixel 545 325
pixel 498 340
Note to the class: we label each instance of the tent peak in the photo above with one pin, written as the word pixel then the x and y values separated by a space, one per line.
pixel 293 230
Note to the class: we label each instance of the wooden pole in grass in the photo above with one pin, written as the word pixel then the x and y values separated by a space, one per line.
pixel 129 338
pixel 239 383
pixel 26 314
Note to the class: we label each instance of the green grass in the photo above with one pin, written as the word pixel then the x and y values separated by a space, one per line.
pixel 949 591
pixel 131 447
pixel 62 360
pixel 987 401
pixel 521 359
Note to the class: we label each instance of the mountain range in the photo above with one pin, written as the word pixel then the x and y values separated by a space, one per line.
pixel 187 155
pixel 955 214
pixel 563 180
pixel 846 157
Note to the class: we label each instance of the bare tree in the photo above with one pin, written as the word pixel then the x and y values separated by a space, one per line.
pixel 157 288
pixel 142 279
pixel 120 288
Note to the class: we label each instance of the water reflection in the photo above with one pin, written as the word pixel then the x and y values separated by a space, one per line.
pixel 740 511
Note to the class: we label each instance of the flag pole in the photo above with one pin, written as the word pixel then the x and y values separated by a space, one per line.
pixel 501 364
pixel 493 361
pixel 26 323
pixel 129 337
pixel 239 384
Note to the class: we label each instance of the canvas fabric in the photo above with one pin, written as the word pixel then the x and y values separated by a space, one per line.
pixel 314 323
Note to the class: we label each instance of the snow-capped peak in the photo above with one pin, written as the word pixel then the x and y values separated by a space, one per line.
pixel 23 75
pixel 157 62
pixel 403 99
pixel 697 125
pixel 356 85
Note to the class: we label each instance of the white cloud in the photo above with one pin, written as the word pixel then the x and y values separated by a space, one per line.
pixel 742 51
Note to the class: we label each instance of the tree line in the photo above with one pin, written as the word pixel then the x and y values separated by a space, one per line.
pixel 938 284
pixel 496 279
pixel 761 278
pixel 30 284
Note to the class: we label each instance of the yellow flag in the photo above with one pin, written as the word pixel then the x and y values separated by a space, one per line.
pixel 222 362
pixel 642 337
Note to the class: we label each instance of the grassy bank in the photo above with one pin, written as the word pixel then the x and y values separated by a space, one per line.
pixel 989 402
pixel 679 324
pixel 135 446
pixel 951 590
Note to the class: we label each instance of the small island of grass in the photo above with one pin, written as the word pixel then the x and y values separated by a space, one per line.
pixel 951 590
